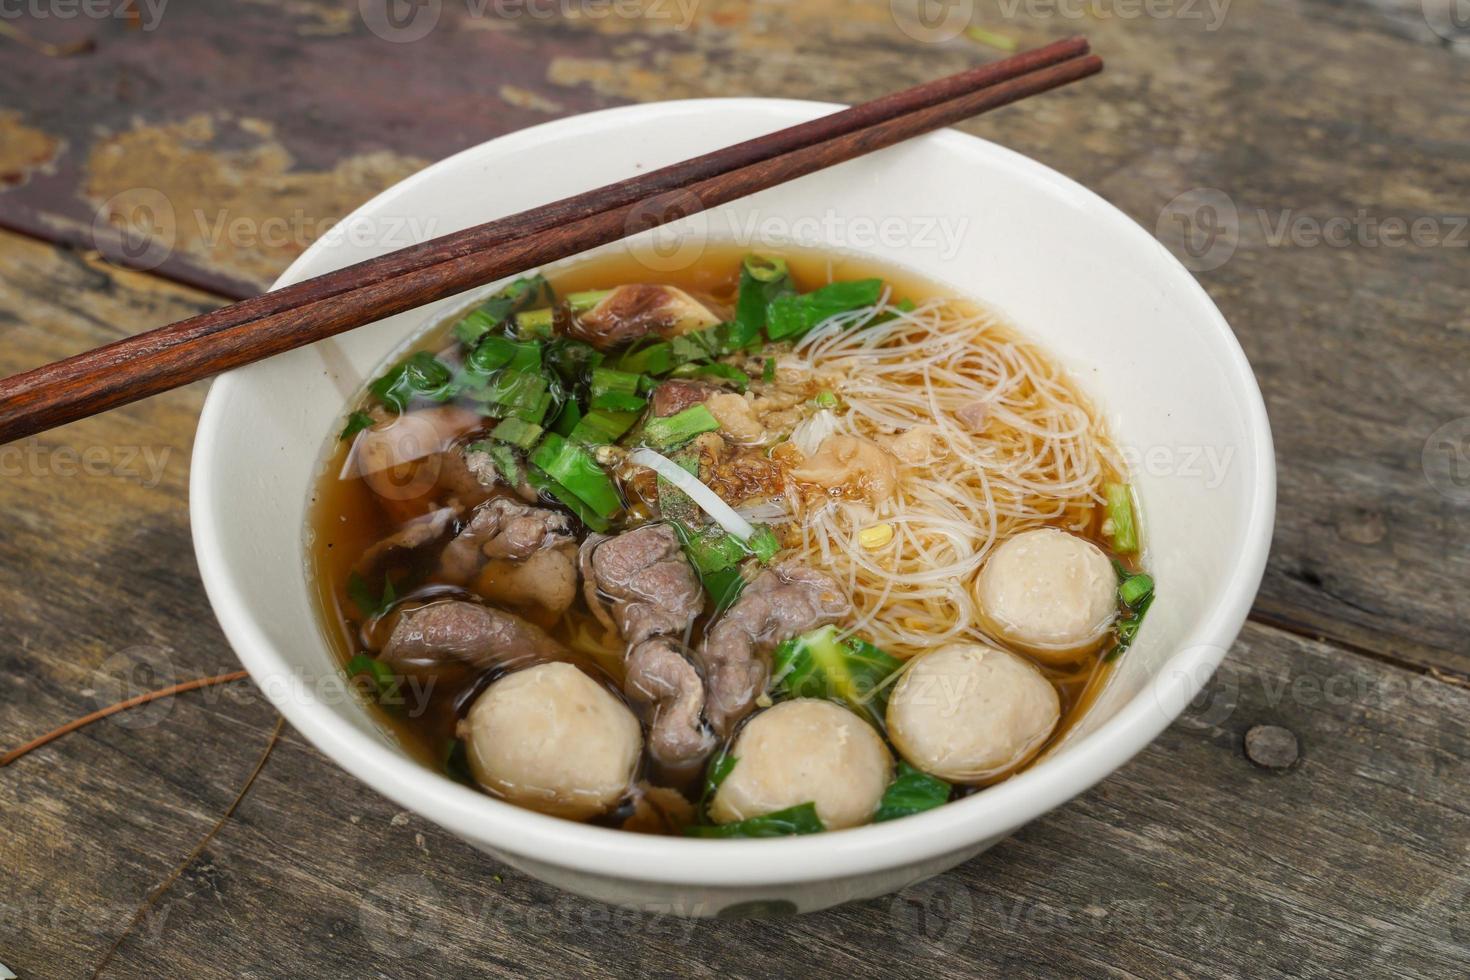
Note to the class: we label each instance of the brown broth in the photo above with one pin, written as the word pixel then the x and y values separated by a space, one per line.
pixel 345 517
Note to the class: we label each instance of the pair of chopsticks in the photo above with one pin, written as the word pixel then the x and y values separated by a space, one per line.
pixel 134 368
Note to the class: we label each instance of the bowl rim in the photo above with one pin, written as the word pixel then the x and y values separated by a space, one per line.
pixel 952 828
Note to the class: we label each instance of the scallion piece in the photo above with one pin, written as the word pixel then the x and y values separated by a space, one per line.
pixel 420 375
pixel 610 381
pixel 574 468
pixel 1122 528
pixel 541 481
pixel 491 354
pixel 567 419
pixel 617 401
pixel 715 370
pixel 599 428
pixel 518 433
pixel 356 422
pixel 763 544
pixel 768 370
pixel 672 430
pixel 656 358
pixel 385 682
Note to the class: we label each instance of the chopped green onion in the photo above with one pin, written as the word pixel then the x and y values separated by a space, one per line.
pixel 356 422
pixel 507 463
pixel 492 354
pixel 572 359
pixel 607 380
pixel 420 375
pixel 715 370
pixel 368 604
pixel 762 279
pixel 1134 589
pixel 793 316
pixel 384 680
pixel 826 399
pixel 545 484
pixel 527 357
pixel 493 311
pixel 522 435
pixel 513 389
pixel 1136 594
pixel 672 430
pixel 801 819
pixel 616 401
pixel 818 665
pixel 763 544
pixel 912 791
pixel 1122 528
pixel 536 323
pixel 599 428
pixel 768 370
pixel 656 358
pixel 567 419
pixel 574 468
pixel 714 775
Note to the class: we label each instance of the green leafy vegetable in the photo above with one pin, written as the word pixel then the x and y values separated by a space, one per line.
pixel 420 375
pixel 362 597
pixel 385 682
pixel 656 359
pixel 518 433
pixel 356 422
pixel 715 555
pixel 788 317
pixel 763 544
pixel 819 665
pixel 1122 528
pixel 599 428
pixel 768 370
pixel 673 430
pixel 457 762
pixel 545 484
pixel 801 819
pixel 762 279
pixel 492 354
pixel 719 767
pixel 713 370
pixel 493 312
pixel 912 791
pixel 1136 594
pixel 574 469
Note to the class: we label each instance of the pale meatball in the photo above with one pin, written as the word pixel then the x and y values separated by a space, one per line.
pixel 552 739
pixel 968 712
pixel 1048 593
pixel 806 751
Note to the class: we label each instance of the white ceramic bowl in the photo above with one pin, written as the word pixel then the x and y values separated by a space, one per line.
pixel 1069 269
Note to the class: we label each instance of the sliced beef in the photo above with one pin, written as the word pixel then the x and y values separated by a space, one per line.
pixel 416 533
pixel 778 604
pixel 505 529
pixel 672 397
pixel 458 632
pixel 654 589
pixel 662 678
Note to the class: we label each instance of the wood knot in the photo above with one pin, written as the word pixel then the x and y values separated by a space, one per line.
pixel 1271 747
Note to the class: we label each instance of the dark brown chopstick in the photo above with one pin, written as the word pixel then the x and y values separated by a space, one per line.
pixel 192 349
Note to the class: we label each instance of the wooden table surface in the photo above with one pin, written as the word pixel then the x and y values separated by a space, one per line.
pixel 1329 138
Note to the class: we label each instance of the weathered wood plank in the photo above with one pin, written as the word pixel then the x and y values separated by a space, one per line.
pixel 1191 861
pixel 1299 111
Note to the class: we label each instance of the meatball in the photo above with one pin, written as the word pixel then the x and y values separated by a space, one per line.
pixel 552 739
pixel 1048 593
pixel 806 751
pixel 968 712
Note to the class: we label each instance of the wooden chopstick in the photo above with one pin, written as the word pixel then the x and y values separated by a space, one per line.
pixel 158 360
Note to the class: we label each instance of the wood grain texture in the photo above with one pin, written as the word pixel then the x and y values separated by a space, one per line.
pixel 1190 861
pixel 1293 111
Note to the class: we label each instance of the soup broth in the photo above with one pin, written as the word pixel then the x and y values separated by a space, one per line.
pixel 903 542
